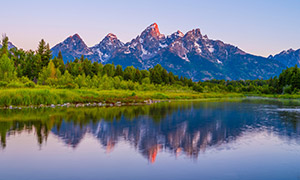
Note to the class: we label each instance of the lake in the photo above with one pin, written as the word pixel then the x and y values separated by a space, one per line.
pixel 243 139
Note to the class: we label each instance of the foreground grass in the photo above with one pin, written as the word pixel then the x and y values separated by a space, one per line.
pixel 47 96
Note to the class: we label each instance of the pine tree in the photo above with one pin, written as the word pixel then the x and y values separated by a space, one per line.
pixel 82 58
pixel 156 74
pixel 138 76
pixel 96 67
pixel 129 73
pixel 59 56
pixel 109 70
pixel 165 76
pixel 171 78
pixel 4 49
pixel 87 67
pixel 119 71
pixel 44 52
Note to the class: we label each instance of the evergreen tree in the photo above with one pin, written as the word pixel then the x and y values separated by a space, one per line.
pixel 138 76
pixel 119 71
pixel 87 67
pixel 156 74
pixel 44 52
pixel 59 56
pixel 165 76
pixel 82 58
pixel 96 68
pixel 109 70
pixel 129 73
pixel 4 49
pixel 171 78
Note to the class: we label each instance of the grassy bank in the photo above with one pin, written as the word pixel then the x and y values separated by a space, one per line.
pixel 277 96
pixel 47 96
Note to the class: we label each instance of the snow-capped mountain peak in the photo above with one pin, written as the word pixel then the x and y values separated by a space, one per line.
pixel 288 57
pixel 153 31
pixel 191 54
pixel 106 47
pixel 73 44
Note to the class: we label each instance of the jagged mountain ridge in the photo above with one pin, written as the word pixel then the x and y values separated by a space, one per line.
pixel 192 55
pixel 289 57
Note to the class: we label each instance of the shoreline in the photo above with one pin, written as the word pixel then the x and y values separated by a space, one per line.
pixel 40 97
pixel 50 97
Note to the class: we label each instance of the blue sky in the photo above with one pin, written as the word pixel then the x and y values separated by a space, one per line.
pixel 261 27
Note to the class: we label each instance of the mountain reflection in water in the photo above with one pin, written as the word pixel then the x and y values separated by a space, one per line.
pixel 180 128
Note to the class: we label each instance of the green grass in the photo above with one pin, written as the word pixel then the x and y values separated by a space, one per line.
pixel 46 95
pixel 278 96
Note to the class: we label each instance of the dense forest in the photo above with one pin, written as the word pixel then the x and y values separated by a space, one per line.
pixel 19 68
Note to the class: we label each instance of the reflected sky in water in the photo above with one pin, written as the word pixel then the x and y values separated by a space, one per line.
pixel 248 139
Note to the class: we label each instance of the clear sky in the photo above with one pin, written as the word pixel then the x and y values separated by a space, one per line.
pixel 261 27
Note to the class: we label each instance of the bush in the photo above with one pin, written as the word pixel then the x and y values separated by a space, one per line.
pixel 71 86
pixel 24 80
pixel 160 96
pixel 15 84
pixel 3 84
pixel 198 88
pixel 30 84
pixel 130 85
pixel 133 94
pixel 123 85
pixel 287 89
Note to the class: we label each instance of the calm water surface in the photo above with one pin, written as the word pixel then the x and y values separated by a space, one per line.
pixel 250 139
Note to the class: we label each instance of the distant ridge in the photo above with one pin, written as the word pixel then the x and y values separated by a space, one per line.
pixel 289 58
pixel 192 55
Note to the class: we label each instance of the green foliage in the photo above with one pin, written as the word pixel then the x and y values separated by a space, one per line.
pixel 119 71
pixel 109 70
pixel 29 84
pixel 3 83
pixel 7 69
pixel 44 53
pixel 15 84
pixel 4 48
pixel 49 75
pixel 287 89
pixel 81 81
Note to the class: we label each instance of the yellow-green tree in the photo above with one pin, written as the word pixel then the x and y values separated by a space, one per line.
pixel 7 69
pixel 49 75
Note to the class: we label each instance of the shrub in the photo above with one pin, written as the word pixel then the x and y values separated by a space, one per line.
pixel 15 84
pixel 71 86
pixel 161 96
pixel 3 84
pixel 30 84
pixel 130 85
pixel 24 80
pixel 287 89
pixel 123 85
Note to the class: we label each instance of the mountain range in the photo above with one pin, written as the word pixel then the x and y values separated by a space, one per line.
pixel 289 58
pixel 192 55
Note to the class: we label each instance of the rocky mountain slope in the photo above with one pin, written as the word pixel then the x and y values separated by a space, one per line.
pixel 289 58
pixel 192 55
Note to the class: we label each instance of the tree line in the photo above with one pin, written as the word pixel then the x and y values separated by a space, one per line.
pixel 19 68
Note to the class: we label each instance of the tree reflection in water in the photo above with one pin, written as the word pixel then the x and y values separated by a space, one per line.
pixel 179 127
